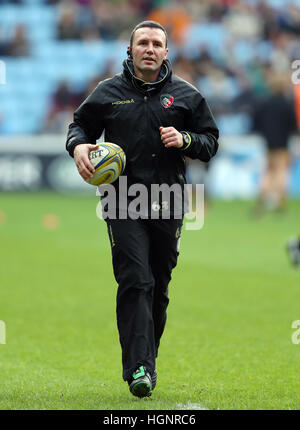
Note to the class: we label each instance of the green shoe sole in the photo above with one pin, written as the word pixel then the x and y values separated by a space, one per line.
pixel 141 389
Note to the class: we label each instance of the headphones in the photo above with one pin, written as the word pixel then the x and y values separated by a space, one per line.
pixel 129 53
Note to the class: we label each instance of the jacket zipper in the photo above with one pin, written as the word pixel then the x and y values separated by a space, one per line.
pixel 146 115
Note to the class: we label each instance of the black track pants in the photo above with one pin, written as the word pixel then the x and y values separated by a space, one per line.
pixel 144 253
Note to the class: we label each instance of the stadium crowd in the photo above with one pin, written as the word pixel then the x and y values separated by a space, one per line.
pixel 56 51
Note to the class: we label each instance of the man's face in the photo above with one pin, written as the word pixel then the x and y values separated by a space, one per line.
pixel 148 50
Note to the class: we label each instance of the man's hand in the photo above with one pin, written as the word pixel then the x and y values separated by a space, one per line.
pixel 81 157
pixel 171 137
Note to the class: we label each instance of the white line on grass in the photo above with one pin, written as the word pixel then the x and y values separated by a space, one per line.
pixel 191 406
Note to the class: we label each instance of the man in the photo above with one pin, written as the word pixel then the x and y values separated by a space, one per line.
pixel 293 250
pixel 274 118
pixel 158 119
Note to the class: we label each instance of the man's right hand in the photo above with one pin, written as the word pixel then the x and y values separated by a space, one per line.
pixel 81 157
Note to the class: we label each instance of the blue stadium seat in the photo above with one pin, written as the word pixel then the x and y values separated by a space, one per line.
pixel 211 36
pixel 276 3
pixel 263 50
pixel 9 15
pixel 231 124
pixel 10 105
pixel 46 50
pixel 38 34
pixel 116 53
pixel 244 51
pixel 31 15
pixel 5 92
pixel 21 117
pixel 19 69
pixel 230 89
pixel 34 2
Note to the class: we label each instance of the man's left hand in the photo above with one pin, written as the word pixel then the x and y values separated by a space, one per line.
pixel 171 137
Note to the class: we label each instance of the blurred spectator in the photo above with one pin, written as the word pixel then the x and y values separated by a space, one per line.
pixel 11 1
pixel 289 19
pixel 63 104
pixel 185 69
pixel 293 250
pixel 280 59
pixel 227 48
pixel 67 25
pixel 274 118
pixel 218 87
pixel 3 42
pixel 142 7
pixel 114 18
pixel 242 21
pixel 175 19
pixel 108 73
pixel 86 21
pixel 18 46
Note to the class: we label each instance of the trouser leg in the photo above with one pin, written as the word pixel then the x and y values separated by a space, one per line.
pixel 165 236
pixel 144 253
pixel 130 251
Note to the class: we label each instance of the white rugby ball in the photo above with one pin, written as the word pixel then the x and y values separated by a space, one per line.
pixel 109 162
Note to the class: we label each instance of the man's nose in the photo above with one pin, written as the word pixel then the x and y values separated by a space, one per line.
pixel 150 47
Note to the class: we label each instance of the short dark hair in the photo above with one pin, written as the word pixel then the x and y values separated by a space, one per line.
pixel 148 24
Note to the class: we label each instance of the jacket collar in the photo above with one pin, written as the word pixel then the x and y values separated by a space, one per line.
pixel 164 75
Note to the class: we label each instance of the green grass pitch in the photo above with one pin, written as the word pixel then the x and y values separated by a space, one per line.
pixel 228 339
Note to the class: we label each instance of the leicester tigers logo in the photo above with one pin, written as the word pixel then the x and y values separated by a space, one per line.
pixel 166 100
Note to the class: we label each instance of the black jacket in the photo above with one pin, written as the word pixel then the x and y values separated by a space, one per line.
pixel 131 112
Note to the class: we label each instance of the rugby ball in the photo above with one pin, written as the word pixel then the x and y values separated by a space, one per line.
pixel 109 163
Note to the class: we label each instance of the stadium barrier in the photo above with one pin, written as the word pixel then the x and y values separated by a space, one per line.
pixel 31 163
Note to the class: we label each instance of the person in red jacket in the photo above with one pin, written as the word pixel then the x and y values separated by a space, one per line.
pixel 293 244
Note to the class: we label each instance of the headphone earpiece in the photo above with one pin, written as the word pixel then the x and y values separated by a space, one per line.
pixel 129 53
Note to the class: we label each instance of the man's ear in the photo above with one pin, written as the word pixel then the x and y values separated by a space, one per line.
pixel 166 54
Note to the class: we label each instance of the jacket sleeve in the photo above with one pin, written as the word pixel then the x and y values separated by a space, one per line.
pixel 202 132
pixel 88 122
